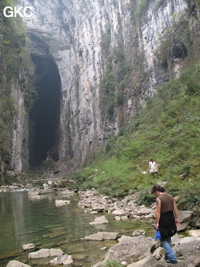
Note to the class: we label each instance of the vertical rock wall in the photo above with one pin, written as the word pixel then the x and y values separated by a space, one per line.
pixel 14 98
pixel 71 31
pixel 20 141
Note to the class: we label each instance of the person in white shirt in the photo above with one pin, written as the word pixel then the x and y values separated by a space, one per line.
pixel 153 168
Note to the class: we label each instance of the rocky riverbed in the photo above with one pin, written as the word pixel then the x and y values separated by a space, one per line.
pixel 135 250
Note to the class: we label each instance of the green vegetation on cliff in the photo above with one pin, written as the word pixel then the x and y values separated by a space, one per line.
pixel 15 73
pixel 167 129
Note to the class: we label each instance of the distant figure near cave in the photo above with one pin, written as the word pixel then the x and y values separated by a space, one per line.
pixel 153 168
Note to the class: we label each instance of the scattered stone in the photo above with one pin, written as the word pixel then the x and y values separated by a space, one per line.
pixel 29 246
pixel 195 233
pixel 67 193
pixel 146 262
pixel 46 191
pixel 176 239
pixel 3 189
pixel 45 253
pixel 94 212
pixel 118 212
pixel 60 203
pixel 99 220
pixel 184 218
pixel 98 207
pixel 16 264
pixel 126 207
pixel 100 236
pixel 118 218
pixel 65 260
pixel 50 183
pixel 45 185
pixel 144 211
pixel 68 262
pixel 138 233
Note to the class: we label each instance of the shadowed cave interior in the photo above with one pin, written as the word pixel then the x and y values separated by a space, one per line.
pixel 44 115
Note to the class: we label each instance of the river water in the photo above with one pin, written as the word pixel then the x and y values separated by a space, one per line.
pixel 24 220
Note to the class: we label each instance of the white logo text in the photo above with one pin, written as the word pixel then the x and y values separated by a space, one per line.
pixel 12 12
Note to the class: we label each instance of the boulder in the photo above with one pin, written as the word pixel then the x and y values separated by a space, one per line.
pixel 42 253
pixel 60 203
pixel 28 246
pixel 68 262
pixel 45 253
pixel 53 252
pixel 100 236
pixel 195 233
pixel 189 250
pixel 46 191
pixel 99 220
pixel 65 260
pixel 130 249
pixel 50 183
pixel 45 185
pixel 184 218
pixel 118 212
pixel 176 239
pixel 187 239
pixel 146 262
pixel 16 264
pixel 98 207
pixel 144 211
pixel 138 232
pixel 158 253
pixel 124 218
pixel 67 193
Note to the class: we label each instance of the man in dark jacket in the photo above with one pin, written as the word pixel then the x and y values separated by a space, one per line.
pixel 166 220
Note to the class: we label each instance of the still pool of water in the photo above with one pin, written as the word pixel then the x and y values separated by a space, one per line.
pixel 24 220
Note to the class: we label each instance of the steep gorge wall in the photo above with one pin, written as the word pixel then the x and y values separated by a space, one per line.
pixel 14 98
pixel 71 33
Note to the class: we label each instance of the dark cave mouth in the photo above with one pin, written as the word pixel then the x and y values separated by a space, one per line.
pixel 45 113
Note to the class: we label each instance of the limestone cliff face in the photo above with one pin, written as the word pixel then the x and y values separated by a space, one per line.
pixel 14 84
pixel 71 33
pixel 20 135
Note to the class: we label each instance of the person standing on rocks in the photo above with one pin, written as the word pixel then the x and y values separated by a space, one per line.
pixel 153 168
pixel 166 220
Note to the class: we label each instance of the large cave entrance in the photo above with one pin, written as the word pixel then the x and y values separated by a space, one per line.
pixel 44 115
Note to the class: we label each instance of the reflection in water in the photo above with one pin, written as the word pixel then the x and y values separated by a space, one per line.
pixel 18 216
pixel 39 221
